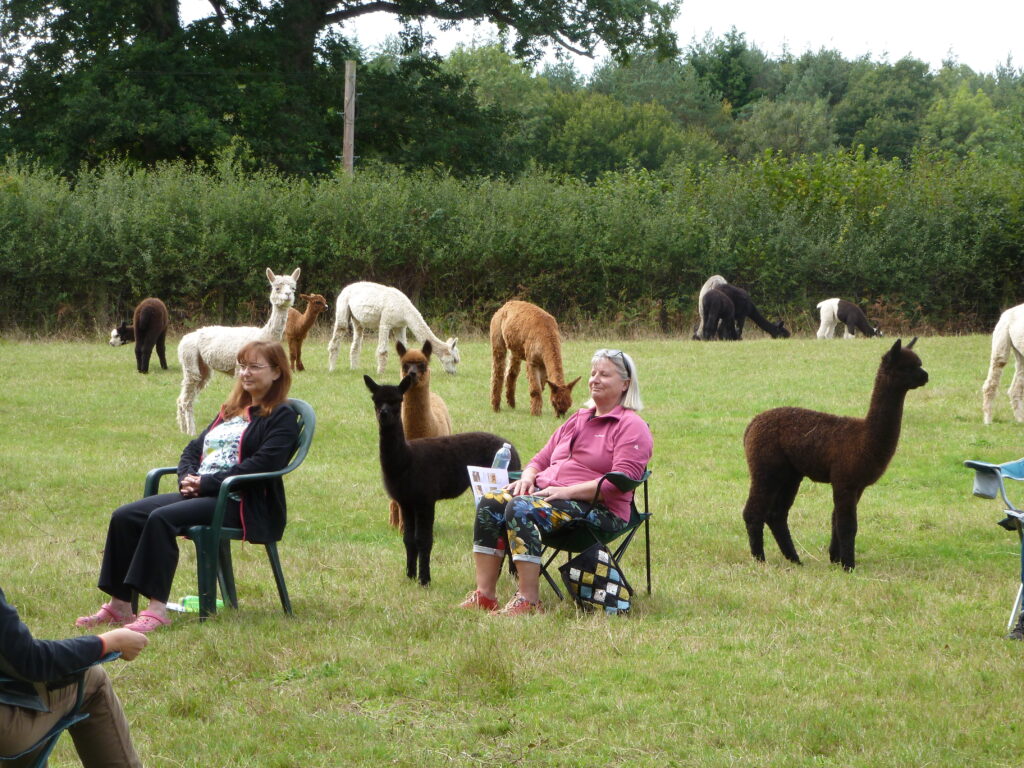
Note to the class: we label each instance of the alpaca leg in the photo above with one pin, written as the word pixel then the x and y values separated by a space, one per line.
pixel 357 345
pixel 161 351
pixel 844 526
pixel 383 336
pixel 825 329
pixel 425 541
pixel 334 345
pixel 778 518
pixel 754 518
pixel 988 389
pixel 511 377
pixel 497 374
pixel 536 380
pixel 142 357
pixel 409 538
pixel 1016 390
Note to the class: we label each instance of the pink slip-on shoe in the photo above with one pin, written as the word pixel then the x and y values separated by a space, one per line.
pixel 147 622
pixel 105 615
pixel 477 599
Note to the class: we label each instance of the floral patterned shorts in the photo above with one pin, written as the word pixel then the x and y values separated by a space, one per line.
pixel 524 518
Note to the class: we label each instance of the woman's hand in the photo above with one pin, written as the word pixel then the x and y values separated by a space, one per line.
pixel 189 486
pixel 523 486
pixel 129 643
pixel 553 492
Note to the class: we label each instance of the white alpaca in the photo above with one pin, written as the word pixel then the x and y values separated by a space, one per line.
pixel 1008 335
pixel 214 347
pixel 712 282
pixel 370 304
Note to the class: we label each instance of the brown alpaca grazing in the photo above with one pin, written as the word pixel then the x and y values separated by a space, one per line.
pixel 785 445
pixel 298 326
pixel 528 333
pixel 424 413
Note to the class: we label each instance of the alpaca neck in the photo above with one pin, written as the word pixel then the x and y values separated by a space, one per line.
pixel 274 328
pixel 761 323
pixel 395 453
pixel 420 329
pixel 550 354
pixel 885 418
pixel 307 319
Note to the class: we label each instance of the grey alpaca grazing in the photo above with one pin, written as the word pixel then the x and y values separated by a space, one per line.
pixel 718 315
pixel 745 308
pixel 148 330
pixel 419 472
pixel 785 445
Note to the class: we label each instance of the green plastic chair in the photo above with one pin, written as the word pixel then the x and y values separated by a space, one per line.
pixel 579 535
pixel 213 541
pixel 988 484
pixel 74 715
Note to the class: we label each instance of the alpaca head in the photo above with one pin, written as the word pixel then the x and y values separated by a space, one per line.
pixel 315 303
pixel 781 331
pixel 282 288
pixel 561 396
pixel 416 362
pixel 902 367
pixel 451 358
pixel 387 400
pixel 876 331
pixel 123 334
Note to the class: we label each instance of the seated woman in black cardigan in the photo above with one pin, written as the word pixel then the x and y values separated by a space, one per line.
pixel 255 431
pixel 33 704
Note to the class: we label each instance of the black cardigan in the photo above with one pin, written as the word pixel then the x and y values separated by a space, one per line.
pixel 268 443
pixel 40 661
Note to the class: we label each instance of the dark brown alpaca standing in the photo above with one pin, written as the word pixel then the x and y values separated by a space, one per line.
pixel 298 325
pixel 527 332
pixel 785 445
pixel 148 330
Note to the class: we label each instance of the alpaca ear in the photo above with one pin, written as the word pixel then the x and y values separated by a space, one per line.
pixel 453 341
pixel 407 382
pixel 270 275
pixel 400 347
pixel 305 296
pixel 911 344
pixel 427 349
pixel 296 273
pixel 371 385
pixel 573 383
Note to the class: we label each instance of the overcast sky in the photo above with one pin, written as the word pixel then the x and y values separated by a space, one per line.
pixel 980 34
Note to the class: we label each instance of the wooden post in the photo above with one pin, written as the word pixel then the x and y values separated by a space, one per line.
pixel 348 139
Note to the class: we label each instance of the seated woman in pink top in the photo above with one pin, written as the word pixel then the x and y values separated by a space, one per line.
pixel 560 482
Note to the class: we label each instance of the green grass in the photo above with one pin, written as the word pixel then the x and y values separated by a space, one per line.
pixel 728 663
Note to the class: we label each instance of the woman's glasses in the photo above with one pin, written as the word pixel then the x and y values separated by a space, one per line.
pixel 241 368
pixel 612 353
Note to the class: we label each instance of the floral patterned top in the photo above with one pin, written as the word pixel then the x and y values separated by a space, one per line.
pixel 220 448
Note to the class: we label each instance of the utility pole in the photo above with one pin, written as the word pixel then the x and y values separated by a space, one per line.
pixel 349 135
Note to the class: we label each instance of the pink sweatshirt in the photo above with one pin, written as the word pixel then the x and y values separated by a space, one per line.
pixel 588 446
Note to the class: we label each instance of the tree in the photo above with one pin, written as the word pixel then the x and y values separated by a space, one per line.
pixel 736 72
pixel 790 127
pixel 965 122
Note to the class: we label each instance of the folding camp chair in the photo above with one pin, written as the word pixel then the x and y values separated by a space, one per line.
pixel 988 483
pixel 578 535
pixel 73 716
pixel 213 541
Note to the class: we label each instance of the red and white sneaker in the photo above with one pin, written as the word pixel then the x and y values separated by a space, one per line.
pixel 518 606
pixel 477 599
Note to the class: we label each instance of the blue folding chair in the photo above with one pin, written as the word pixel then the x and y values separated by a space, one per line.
pixel 75 715
pixel 988 484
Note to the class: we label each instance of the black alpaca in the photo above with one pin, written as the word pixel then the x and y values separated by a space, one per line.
pixel 719 316
pixel 785 445
pixel 419 472
pixel 148 330
pixel 854 319
pixel 745 308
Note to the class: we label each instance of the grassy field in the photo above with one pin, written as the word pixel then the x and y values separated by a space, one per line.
pixel 728 663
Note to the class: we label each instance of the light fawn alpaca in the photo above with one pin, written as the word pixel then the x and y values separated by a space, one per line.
pixel 715 281
pixel 524 331
pixel 1007 337
pixel 419 473
pixel 368 305
pixel 424 413
pixel 214 347
pixel 785 445
pixel 298 325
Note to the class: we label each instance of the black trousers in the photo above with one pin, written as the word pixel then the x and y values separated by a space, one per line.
pixel 142 548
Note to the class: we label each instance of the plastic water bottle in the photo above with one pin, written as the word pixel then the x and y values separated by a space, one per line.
pixel 503 457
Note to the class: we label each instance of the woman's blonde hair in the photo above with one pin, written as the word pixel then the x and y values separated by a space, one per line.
pixel 626 369
pixel 274 354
